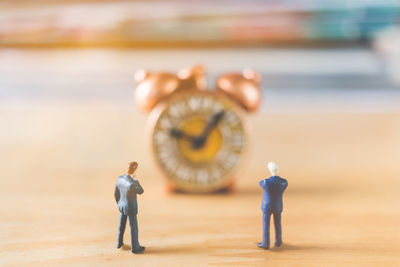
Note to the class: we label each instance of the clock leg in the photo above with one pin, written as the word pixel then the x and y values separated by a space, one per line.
pixel 170 188
pixel 230 188
pixel 226 190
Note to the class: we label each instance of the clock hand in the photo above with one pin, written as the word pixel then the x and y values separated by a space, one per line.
pixel 215 119
pixel 199 141
pixel 174 132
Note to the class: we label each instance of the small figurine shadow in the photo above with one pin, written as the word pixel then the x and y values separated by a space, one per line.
pixel 291 247
pixel 202 250
pixel 286 247
pixel 126 247
pixel 172 250
pixel 164 250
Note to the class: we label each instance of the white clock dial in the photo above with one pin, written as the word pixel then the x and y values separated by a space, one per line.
pixel 198 140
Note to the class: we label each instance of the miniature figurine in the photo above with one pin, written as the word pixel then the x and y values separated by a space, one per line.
pixel 273 187
pixel 126 189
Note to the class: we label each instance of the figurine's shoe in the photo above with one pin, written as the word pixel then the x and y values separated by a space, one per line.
pixel 261 245
pixel 138 250
pixel 120 244
pixel 278 245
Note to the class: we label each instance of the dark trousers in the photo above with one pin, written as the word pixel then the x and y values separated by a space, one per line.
pixel 134 230
pixel 278 228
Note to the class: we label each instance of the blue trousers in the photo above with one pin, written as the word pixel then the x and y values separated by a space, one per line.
pixel 278 228
pixel 134 230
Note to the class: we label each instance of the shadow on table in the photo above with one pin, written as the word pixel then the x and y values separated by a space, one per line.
pixel 338 249
pixel 163 250
pixel 173 249
pixel 292 247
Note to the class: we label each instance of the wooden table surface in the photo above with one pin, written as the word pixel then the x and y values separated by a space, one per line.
pixel 59 165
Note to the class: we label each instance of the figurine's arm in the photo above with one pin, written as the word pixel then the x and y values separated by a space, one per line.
pixel 138 188
pixel 263 183
pixel 116 194
pixel 284 184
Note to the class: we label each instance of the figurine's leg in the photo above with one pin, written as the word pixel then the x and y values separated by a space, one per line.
pixel 266 221
pixel 121 230
pixel 136 248
pixel 278 229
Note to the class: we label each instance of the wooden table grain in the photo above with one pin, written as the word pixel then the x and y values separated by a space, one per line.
pixel 59 165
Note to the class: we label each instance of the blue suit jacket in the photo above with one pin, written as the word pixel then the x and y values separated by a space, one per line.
pixel 125 194
pixel 273 191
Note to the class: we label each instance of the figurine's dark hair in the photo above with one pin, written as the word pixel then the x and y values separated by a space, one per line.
pixel 132 167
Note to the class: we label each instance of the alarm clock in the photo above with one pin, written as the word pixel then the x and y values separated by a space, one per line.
pixel 198 136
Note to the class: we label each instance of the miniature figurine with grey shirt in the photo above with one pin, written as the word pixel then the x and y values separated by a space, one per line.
pixel 125 194
pixel 272 204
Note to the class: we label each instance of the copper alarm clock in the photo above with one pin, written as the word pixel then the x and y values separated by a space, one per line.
pixel 198 136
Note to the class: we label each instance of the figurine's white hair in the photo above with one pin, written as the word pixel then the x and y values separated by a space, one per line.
pixel 273 168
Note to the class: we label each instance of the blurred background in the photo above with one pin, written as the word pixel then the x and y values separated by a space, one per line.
pixel 314 56
pixel 194 23
pixel 330 114
pixel 90 49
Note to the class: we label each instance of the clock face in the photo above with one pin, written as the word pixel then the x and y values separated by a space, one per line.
pixel 198 140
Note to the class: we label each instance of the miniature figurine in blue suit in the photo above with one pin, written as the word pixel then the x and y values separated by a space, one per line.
pixel 125 193
pixel 273 187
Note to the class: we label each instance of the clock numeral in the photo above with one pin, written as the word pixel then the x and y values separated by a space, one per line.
pixel 194 103
pixel 164 153
pixel 217 107
pixel 227 159
pixel 177 110
pixel 215 174
pixel 222 154
pixel 207 103
pixel 170 163
pixel 226 130
pixel 238 141
pixel 165 123
pixel 183 173
pixel 202 176
pixel 160 138
pixel 232 119
pixel 230 161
